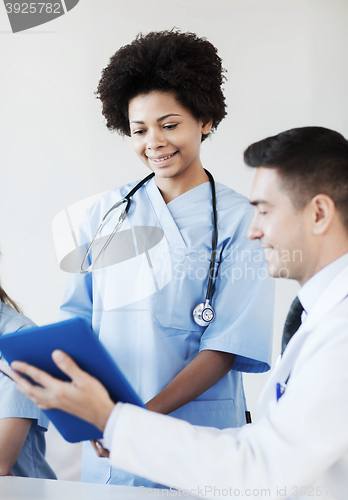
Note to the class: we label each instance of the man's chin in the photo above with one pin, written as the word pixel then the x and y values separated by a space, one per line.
pixel 278 272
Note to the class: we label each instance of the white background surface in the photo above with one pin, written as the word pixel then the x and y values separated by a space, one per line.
pixel 19 488
pixel 287 67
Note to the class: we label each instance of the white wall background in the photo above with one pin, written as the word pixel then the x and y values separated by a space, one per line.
pixel 287 66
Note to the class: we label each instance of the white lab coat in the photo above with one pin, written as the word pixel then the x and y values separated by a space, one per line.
pixel 299 445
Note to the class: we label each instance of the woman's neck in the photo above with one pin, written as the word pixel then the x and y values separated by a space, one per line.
pixel 173 187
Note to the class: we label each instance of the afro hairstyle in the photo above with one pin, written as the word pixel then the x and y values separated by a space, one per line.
pixel 165 61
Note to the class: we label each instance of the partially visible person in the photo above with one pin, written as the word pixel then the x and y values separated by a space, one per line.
pixel 22 424
pixel 298 447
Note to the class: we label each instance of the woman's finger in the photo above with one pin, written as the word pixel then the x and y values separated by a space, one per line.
pixel 100 450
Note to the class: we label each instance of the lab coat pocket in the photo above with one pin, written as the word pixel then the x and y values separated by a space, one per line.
pixel 216 413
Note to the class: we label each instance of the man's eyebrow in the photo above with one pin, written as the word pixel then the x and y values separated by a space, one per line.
pixel 158 119
pixel 255 203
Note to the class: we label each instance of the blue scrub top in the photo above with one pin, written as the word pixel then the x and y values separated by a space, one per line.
pixel 139 301
pixel 31 461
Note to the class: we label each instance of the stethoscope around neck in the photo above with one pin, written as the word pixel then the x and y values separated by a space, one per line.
pixel 203 313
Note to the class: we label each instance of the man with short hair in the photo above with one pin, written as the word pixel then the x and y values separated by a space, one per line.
pixel 299 443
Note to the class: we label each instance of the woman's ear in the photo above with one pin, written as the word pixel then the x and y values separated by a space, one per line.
pixel 206 126
pixel 323 209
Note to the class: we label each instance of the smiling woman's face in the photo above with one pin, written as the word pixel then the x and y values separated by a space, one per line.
pixel 165 135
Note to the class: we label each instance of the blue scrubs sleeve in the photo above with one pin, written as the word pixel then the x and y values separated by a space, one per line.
pixel 12 402
pixel 15 404
pixel 244 304
pixel 78 297
pixel 77 300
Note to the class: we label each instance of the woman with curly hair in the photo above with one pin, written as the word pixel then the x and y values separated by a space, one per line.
pixel 164 91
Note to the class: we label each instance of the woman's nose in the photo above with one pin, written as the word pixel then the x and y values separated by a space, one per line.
pixel 155 139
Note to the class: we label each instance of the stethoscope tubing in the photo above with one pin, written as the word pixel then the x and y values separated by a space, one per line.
pixel 212 270
pixel 127 200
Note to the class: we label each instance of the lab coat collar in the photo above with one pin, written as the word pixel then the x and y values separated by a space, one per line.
pixel 335 293
pixel 332 296
pixel 310 292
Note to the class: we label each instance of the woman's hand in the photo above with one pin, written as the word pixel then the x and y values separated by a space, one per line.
pixel 100 450
pixel 85 397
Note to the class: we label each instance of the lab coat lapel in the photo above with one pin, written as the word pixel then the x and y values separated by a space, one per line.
pixel 280 373
pixel 164 216
pixel 333 295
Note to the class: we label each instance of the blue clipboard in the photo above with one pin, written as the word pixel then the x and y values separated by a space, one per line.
pixel 75 337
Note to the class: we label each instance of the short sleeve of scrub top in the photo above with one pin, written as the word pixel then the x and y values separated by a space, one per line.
pixel 246 296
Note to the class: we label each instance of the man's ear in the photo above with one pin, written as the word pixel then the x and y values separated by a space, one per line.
pixel 206 125
pixel 323 210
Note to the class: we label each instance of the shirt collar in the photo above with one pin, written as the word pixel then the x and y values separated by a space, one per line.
pixel 317 284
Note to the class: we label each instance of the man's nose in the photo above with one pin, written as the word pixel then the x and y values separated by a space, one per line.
pixel 254 231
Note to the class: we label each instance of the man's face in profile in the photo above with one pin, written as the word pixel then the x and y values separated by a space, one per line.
pixel 283 230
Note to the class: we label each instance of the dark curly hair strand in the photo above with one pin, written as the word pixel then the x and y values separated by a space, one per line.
pixel 164 61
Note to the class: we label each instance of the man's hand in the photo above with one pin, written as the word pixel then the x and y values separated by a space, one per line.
pixel 85 397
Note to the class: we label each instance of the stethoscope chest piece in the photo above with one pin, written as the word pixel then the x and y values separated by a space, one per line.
pixel 203 314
